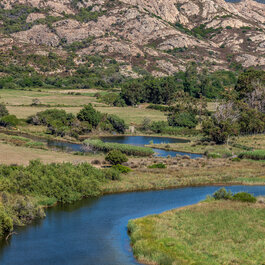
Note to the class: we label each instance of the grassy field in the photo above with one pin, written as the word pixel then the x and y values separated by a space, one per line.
pixel 22 155
pixel 220 232
pixel 52 97
pixel 19 104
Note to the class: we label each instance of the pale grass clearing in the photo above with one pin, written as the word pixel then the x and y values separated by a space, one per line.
pixel 255 141
pixel 21 97
pixel 21 155
pixel 134 115
pixel 26 111
pixel 129 114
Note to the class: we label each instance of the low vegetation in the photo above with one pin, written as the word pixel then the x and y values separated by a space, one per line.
pixel 158 165
pixel 223 194
pixel 24 189
pixel 215 232
pixel 116 157
pixel 124 148
pixel 255 155
pixel 61 123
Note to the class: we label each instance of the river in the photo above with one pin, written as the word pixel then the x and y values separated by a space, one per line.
pixel 93 231
pixel 132 140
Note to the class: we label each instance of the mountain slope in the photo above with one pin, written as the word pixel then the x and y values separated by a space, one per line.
pixel 159 36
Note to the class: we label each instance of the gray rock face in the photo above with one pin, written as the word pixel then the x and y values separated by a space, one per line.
pixel 39 34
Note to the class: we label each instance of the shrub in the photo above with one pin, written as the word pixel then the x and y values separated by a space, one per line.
pixel 244 197
pixel 117 123
pixel 51 116
pixel 158 165
pixel 182 119
pixel 64 182
pixel 145 126
pixel 158 126
pixel 3 110
pixel 9 121
pixel 112 174
pixel 58 122
pixel 223 194
pixel 6 223
pixel 219 132
pixel 122 169
pixel 90 115
pixel 116 157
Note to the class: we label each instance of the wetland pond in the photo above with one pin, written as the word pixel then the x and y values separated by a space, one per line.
pixel 93 231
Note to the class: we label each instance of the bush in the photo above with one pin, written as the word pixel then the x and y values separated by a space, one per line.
pixel 219 132
pixel 158 165
pixel 9 121
pixel 58 122
pixel 112 174
pixel 158 126
pixel 223 194
pixel 244 197
pixel 182 119
pixel 90 115
pixel 122 169
pixel 3 110
pixel 116 157
pixel 6 223
pixel 117 123
pixel 64 182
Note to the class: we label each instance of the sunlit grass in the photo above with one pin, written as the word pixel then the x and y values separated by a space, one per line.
pixel 209 233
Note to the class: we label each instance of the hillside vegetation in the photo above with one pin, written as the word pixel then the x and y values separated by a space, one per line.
pixel 111 40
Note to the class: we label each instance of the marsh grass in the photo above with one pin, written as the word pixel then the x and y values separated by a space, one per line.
pixel 207 172
pixel 124 148
pixel 255 155
pixel 223 232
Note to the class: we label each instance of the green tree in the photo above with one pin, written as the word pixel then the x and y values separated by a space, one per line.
pixel 183 119
pixel 248 80
pixel 117 123
pixel 90 115
pixel 191 82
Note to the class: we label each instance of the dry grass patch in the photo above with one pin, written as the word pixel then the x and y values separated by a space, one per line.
pixel 134 115
pixel 22 155
pixel 189 173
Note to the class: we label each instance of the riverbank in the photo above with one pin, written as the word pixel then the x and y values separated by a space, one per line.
pixel 235 147
pixel 183 172
pixel 217 232
pixel 180 171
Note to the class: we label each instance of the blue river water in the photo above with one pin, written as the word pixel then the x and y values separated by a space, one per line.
pixel 93 231
pixel 133 140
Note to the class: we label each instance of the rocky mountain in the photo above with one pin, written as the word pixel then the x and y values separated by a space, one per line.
pixel 158 36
